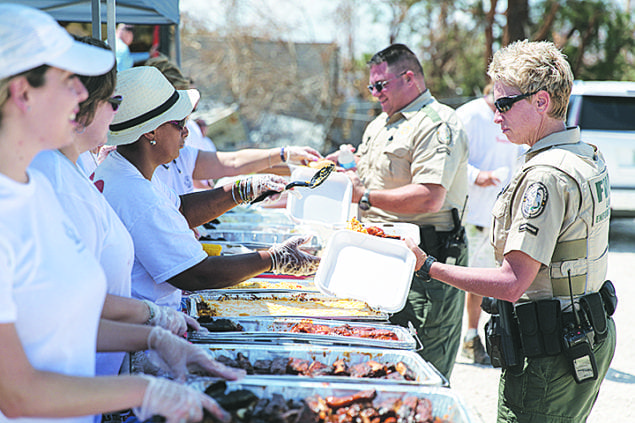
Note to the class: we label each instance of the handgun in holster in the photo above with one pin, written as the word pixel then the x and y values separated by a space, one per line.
pixel 502 335
pixel 455 242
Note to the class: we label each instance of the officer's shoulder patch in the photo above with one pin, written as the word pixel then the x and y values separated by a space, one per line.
pixel 444 135
pixel 534 200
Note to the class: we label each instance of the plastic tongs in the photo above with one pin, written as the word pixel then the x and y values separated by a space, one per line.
pixel 317 179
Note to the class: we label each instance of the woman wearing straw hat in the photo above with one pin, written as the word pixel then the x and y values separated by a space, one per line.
pixel 149 130
pixel 51 287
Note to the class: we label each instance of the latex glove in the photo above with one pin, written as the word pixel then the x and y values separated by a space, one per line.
pixel 177 403
pixel 252 186
pixel 170 319
pixel 302 155
pixel 288 259
pixel 175 355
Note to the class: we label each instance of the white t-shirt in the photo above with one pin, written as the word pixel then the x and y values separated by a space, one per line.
pixel 164 244
pixel 99 227
pixel 87 162
pixel 178 173
pixel 51 287
pixel 196 138
pixel 489 150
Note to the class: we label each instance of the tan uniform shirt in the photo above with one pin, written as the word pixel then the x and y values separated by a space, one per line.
pixel 424 143
pixel 543 207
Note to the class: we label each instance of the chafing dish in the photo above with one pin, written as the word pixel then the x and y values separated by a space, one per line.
pixel 269 330
pixel 420 372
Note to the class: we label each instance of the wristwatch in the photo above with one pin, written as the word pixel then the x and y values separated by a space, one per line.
pixel 364 202
pixel 424 272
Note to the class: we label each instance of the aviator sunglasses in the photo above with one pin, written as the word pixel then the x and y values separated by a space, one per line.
pixel 115 102
pixel 504 104
pixel 379 85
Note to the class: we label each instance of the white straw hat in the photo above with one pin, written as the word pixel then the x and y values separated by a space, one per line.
pixel 149 100
pixel 30 38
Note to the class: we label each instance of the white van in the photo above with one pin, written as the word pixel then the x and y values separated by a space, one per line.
pixel 605 113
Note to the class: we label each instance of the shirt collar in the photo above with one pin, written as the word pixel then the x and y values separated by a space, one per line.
pixel 570 135
pixel 413 107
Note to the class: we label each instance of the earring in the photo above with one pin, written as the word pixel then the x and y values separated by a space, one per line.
pixel 153 142
pixel 80 129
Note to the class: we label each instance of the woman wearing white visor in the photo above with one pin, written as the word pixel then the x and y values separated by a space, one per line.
pixel 51 287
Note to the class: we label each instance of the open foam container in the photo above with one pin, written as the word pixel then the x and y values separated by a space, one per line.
pixel 366 268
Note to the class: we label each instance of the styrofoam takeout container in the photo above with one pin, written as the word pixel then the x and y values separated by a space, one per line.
pixel 327 203
pixel 367 268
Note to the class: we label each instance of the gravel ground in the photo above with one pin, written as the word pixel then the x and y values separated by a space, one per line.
pixel 478 385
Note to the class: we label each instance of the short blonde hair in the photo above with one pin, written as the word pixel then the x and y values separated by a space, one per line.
pixel 532 66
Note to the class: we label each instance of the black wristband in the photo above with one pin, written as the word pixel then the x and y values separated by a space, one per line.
pixel 424 272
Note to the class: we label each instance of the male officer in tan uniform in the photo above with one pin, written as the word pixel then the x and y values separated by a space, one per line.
pixel 550 234
pixel 412 167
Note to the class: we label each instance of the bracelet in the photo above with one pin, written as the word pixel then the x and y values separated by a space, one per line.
pixel 233 196
pixel 150 311
pixel 282 157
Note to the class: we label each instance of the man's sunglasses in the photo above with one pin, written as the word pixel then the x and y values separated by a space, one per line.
pixel 379 85
pixel 180 124
pixel 115 102
pixel 504 104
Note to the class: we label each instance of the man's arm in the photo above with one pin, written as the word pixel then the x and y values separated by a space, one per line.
pixel 408 199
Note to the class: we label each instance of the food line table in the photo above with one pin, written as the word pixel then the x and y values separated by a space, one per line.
pixel 304 364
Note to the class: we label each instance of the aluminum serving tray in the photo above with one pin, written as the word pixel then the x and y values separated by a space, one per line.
pixel 446 404
pixel 258 240
pixel 273 284
pixel 424 372
pixel 275 331
pixel 193 301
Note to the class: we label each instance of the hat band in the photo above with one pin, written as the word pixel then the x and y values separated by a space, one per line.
pixel 148 115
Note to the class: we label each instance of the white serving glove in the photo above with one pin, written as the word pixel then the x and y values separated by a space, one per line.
pixel 175 355
pixel 170 319
pixel 177 403
pixel 288 259
pixel 247 189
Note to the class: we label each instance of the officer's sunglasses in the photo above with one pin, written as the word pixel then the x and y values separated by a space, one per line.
pixel 379 85
pixel 504 104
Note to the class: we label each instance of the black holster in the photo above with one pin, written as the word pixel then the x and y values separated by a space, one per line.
pixel 501 334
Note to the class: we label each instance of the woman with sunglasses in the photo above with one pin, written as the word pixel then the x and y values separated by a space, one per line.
pixel 149 131
pixel 550 235
pixel 98 225
pixel 51 286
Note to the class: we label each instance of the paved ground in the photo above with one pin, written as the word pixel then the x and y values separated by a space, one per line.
pixel 478 385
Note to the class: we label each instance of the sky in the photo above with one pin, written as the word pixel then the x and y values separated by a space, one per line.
pixel 297 20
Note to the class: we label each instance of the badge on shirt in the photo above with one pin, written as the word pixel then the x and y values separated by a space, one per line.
pixel 444 135
pixel 534 200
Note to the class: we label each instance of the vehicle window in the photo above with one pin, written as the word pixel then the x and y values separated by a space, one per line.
pixel 607 113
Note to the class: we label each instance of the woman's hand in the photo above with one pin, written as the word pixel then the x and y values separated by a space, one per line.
pixel 175 355
pixel 288 259
pixel 177 403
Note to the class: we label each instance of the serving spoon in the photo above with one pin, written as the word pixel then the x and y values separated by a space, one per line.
pixel 316 180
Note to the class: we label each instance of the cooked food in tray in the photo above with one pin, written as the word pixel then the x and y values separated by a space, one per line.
pixel 274 284
pixel 280 330
pixel 297 305
pixel 313 368
pixel 370 405
pixel 307 326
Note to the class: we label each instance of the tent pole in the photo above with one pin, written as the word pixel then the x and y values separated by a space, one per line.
pixel 96 16
pixel 111 22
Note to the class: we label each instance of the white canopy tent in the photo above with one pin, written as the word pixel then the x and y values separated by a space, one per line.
pixel 144 12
